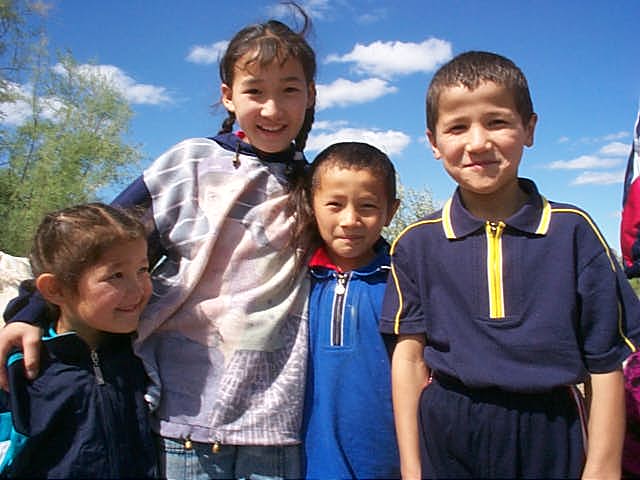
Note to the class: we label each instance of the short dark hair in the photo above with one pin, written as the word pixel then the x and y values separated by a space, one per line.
pixel 357 156
pixel 469 70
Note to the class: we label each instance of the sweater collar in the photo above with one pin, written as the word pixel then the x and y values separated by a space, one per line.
pixel 234 141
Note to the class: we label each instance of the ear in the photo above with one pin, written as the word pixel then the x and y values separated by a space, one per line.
pixel 51 288
pixel 393 208
pixel 434 147
pixel 529 129
pixel 311 94
pixel 226 96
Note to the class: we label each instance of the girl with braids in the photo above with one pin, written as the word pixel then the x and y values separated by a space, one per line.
pixel 224 338
pixel 85 415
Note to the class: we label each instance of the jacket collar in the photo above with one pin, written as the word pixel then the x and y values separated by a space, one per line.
pixel 320 261
pixel 533 217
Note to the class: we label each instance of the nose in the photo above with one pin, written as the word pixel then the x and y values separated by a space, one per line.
pixel 270 108
pixel 349 217
pixel 477 140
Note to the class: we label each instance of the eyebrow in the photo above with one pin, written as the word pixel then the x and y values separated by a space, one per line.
pixel 292 78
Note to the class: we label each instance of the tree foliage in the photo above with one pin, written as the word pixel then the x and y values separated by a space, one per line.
pixel 69 145
pixel 414 204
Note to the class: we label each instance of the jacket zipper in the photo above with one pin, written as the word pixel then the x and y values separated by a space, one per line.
pixel 494 268
pixel 97 371
pixel 104 405
pixel 338 307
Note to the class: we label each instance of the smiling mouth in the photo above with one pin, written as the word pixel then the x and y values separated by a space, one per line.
pixel 271 129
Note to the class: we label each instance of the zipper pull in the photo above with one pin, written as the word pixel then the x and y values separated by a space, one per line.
pixel 96 367
pixel 340 286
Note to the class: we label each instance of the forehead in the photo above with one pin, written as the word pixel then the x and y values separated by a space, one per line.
pixel 487 96
pixel 333 177
pixel 250 65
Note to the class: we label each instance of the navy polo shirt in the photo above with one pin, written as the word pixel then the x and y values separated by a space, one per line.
pixel 526 304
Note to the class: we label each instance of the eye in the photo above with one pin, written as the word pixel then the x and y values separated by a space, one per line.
pixel 252 91
pixel 143 270
pixel 498 122
pixel 116 275
pixel 291 89
pixel 456 128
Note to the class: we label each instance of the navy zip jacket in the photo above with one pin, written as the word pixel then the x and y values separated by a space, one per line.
pixel 85 415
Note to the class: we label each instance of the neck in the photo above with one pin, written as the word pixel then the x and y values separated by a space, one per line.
pixel 496 206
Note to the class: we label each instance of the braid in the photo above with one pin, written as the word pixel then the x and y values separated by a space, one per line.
pixel 301 139
pixel 227 124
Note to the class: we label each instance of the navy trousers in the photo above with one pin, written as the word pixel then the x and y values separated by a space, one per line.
pixel 491 433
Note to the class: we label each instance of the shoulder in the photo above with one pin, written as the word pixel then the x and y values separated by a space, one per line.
pixel 426 228
pixel 568 217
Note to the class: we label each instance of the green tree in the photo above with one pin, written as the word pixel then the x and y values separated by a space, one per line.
pixel 414 204
pixel 70 146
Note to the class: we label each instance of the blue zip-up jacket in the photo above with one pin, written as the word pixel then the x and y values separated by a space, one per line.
pixel 85 415
pixel 348 422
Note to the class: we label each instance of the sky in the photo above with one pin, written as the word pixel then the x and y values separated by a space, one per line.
pixel 375 61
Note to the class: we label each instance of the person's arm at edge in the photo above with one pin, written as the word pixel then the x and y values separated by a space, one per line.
pixel 606 426
pixel 409 376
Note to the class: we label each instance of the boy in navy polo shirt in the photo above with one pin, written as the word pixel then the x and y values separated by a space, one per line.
pixel 505 301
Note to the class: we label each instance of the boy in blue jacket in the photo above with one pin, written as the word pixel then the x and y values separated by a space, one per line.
pixel 348 421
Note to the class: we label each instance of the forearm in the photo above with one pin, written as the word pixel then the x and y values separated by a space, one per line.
pixel 606 426
pixel 409 376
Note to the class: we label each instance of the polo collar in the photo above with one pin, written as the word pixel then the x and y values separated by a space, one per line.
pixel 533 217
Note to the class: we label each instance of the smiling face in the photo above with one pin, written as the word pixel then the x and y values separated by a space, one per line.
pixel 480 137
pixel 110 295
pixel 269 101
pixel 351 208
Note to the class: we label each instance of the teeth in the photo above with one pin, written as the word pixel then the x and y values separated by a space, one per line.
pixel 270 129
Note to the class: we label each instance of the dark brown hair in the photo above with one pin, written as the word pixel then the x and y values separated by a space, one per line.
pixel 469 70
pixel 70 240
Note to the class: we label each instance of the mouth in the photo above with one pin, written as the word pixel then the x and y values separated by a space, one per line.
pixel 271 129
pixel 481 164
pixel 132 308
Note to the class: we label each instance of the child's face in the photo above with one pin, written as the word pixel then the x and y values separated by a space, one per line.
pixel 269 102
pixel 111 294
pixel 480 137
pixel 351 208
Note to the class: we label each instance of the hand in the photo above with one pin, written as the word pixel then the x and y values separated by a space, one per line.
pixel 27 338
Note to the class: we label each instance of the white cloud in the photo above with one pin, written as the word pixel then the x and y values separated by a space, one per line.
pixel 616 149
pixel 392 142
pixel 207 54
pixel 583 162
pixel 18 112
pixel 386 59
pixel 133 92
pixel 371 16
pixel 599 178
pixel 615 136
pixel 344 92
pixel 329 124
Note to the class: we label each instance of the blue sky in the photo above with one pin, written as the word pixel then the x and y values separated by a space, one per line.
pixel 376 59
